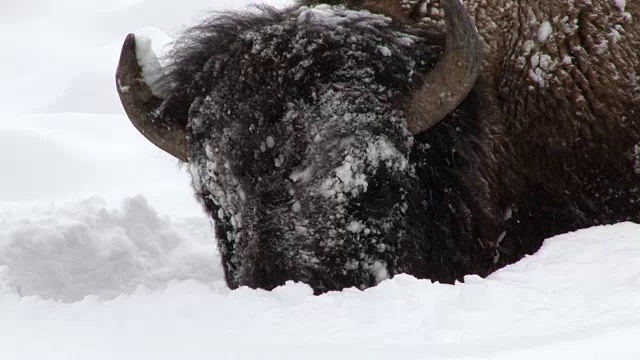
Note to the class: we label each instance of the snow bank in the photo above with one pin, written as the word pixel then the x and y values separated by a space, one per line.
pixel 579 295
pixel 67 253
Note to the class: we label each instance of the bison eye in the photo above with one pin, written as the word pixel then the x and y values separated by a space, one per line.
pixel 383 193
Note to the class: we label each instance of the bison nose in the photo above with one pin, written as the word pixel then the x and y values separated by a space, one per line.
pixel 268 245
pixel 268 274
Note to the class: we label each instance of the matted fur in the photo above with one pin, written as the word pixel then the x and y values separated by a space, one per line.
pixel 299 151
pixel 561 102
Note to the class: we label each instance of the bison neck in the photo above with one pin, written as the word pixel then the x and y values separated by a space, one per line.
pixel 565 88
pixel 456 169
pixel 568 82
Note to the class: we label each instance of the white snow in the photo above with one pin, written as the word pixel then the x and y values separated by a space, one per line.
pixel 302 175
pixel 326 15
pixel 279 160
pixel 148 60
pixel 384 50
pixel 356 226
pixel 577 297
pixel 74 250
pixel 351 179
pixel 270 142
pixel 620 4
pixel 104 254
pixel 544 32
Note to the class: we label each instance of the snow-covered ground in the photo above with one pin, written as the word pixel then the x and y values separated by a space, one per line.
pixel 104 254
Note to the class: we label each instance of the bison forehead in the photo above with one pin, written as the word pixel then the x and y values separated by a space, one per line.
pixel 283 91
pixel 289 55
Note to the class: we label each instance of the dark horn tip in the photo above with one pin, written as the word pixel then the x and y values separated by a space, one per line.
pixel 139 102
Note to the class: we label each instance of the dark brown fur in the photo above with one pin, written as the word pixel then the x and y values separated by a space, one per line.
pixel 562 110
pixel 298 144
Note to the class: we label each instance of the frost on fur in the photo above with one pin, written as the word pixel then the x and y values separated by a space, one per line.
pixel 297 135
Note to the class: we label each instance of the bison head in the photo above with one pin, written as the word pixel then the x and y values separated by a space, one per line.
pixel 305 132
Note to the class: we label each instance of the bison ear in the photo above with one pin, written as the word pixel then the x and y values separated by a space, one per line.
pixel 449 82
pixel 141 105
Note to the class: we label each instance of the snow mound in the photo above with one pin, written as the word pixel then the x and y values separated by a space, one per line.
pixel 87 249
pixel 582 290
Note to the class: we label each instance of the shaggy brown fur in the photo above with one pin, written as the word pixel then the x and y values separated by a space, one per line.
pixel 298 141
pixel 562 99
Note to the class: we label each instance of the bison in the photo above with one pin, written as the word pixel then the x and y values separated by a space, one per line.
pixel 341 144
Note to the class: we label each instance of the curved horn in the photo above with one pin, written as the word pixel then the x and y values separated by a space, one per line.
pixel 453 76
pixel 139 103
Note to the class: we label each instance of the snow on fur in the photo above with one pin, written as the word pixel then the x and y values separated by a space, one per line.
pixel 325 115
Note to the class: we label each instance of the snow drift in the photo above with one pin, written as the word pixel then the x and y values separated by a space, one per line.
pixel 90 269
pixel 578 295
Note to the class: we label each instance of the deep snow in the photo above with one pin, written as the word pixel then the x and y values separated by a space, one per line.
pixel 105 254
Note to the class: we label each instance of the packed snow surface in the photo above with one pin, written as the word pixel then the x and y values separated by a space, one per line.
pixel 104 254
pixel 578 295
